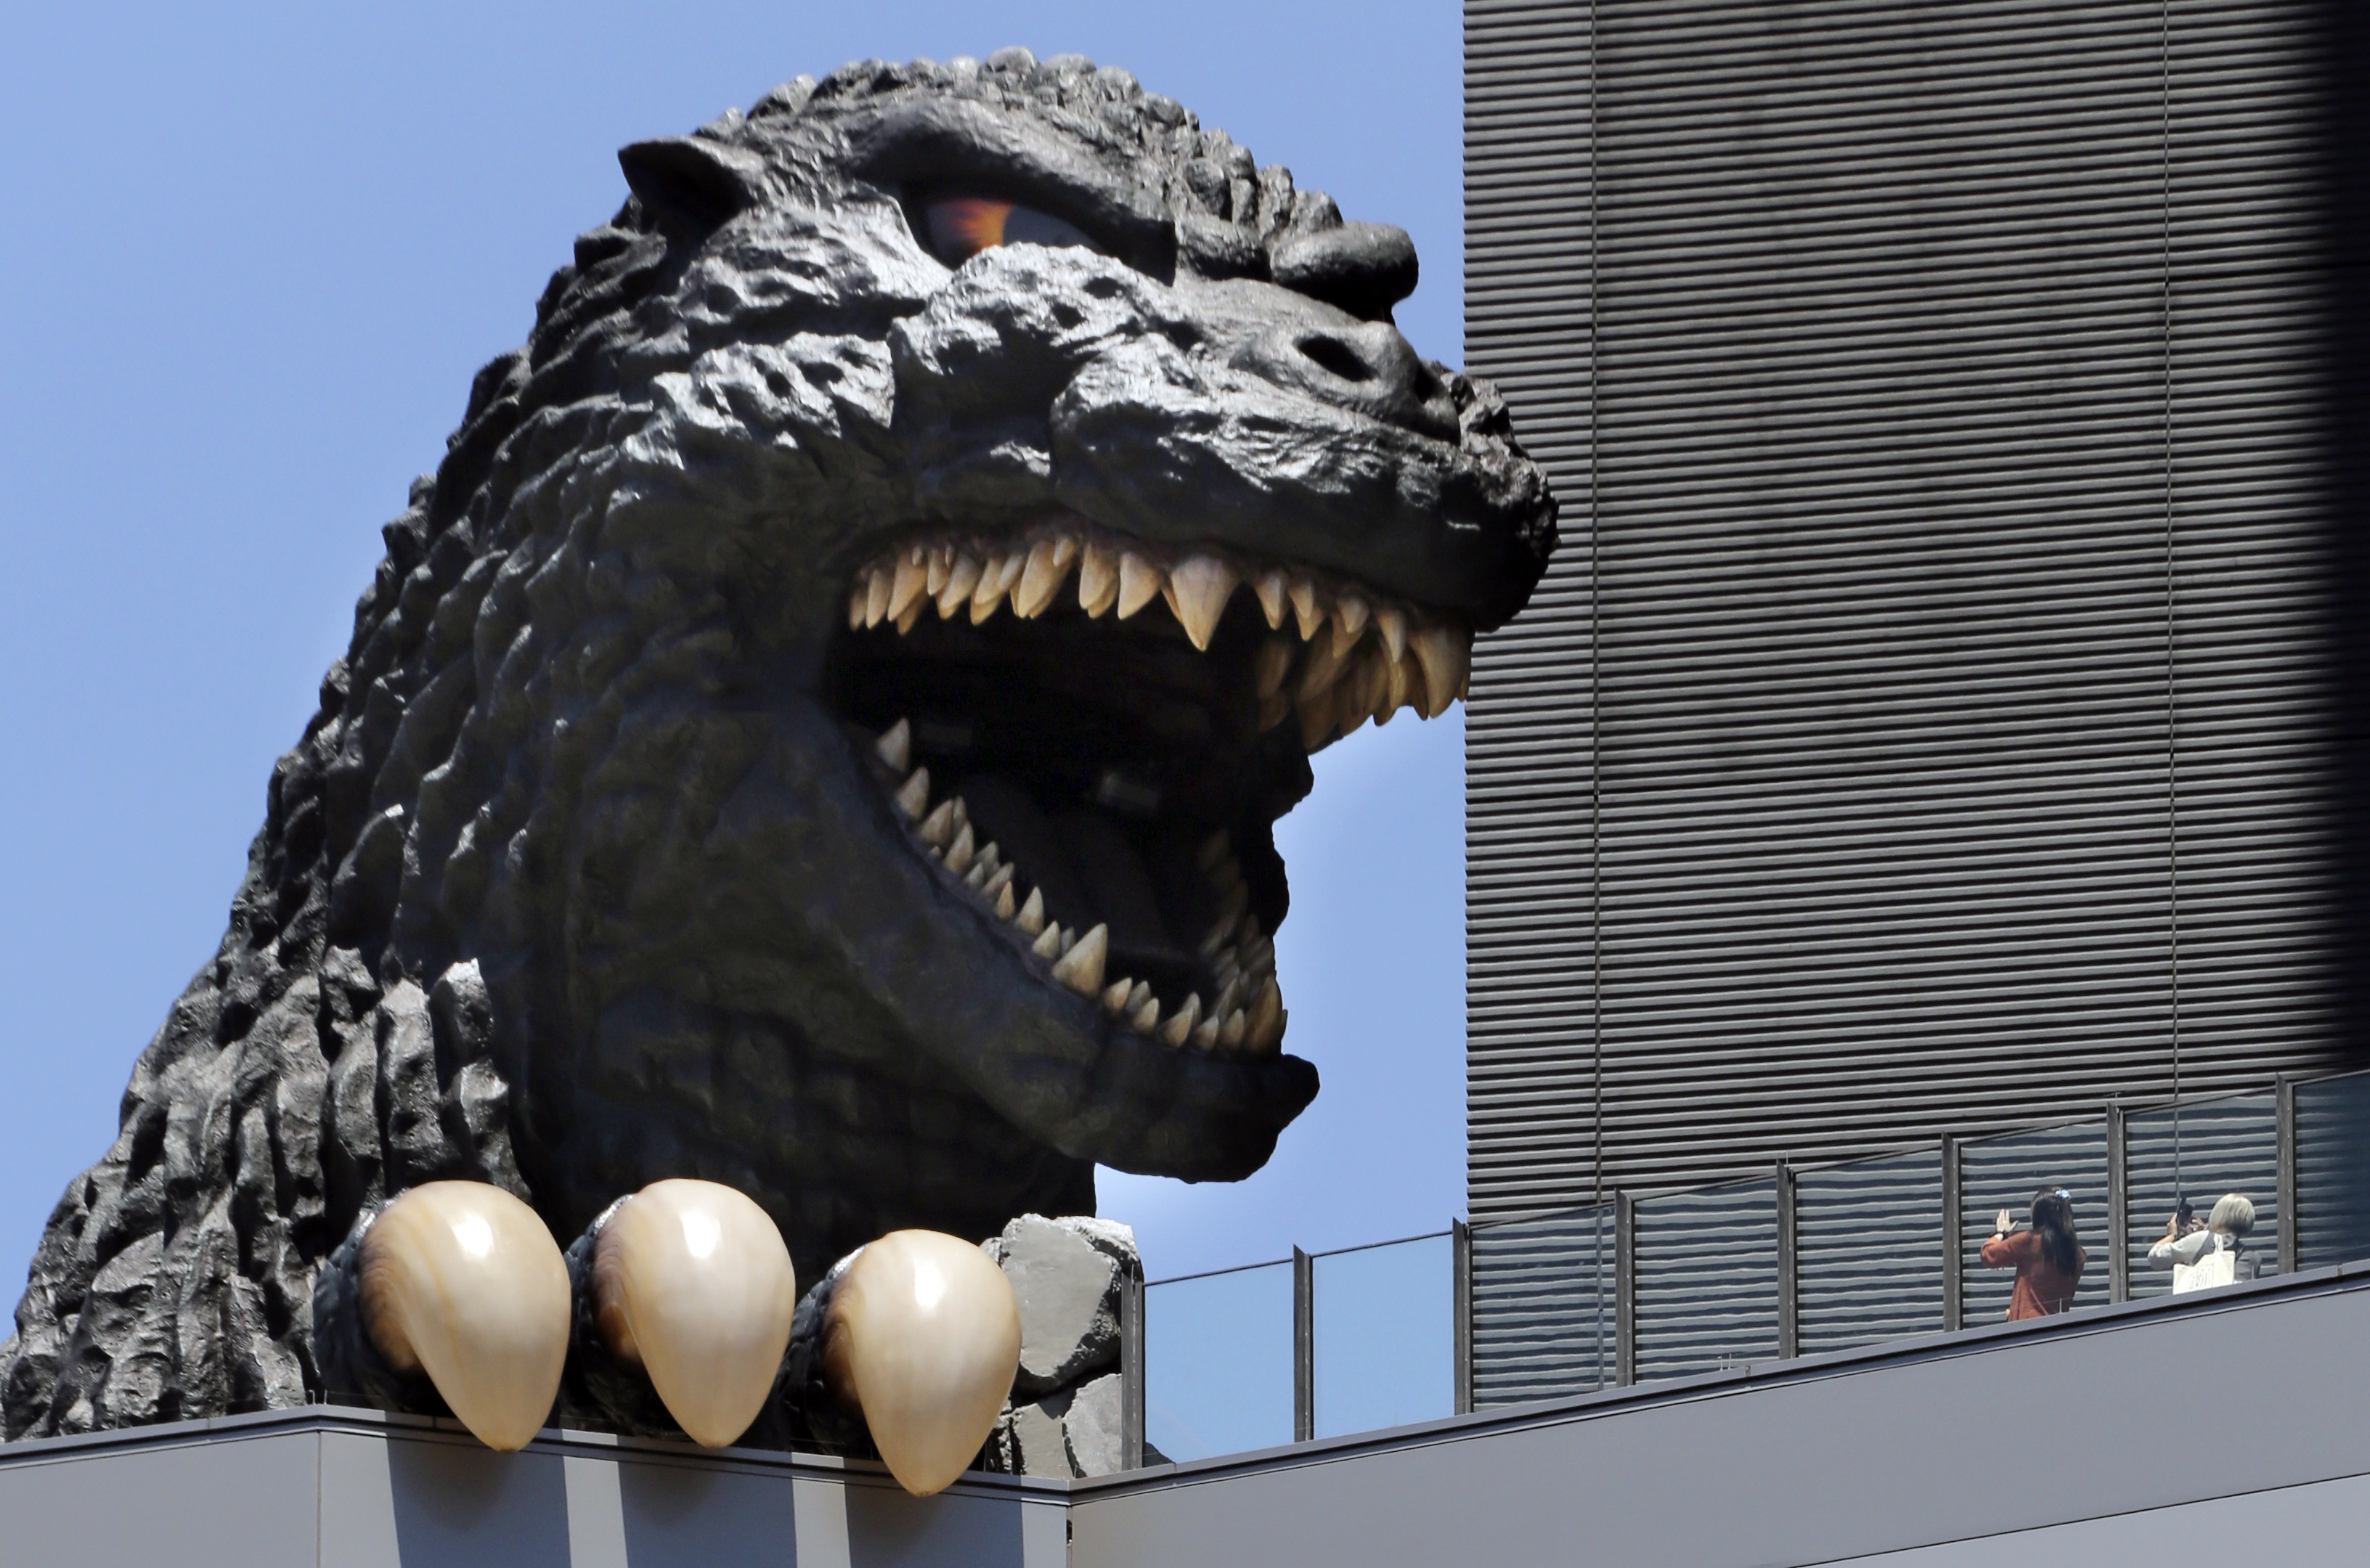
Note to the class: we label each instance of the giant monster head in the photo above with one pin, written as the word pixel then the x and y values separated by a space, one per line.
pixel 820 728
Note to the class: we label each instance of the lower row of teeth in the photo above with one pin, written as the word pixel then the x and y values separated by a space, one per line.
pixel 1366 657
pixel 1248 1016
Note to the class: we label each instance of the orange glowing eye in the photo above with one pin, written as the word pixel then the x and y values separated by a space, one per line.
pixel 962 227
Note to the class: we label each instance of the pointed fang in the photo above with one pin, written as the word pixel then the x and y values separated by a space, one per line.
pixel 1081 968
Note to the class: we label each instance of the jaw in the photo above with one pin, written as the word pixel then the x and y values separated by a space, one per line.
pixel 1078 743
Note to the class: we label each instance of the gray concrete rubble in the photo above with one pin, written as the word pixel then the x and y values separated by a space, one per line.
pixel 1068 1276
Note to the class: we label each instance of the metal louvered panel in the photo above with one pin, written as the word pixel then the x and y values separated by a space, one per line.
pixel 1869 1251
pixel 1543 1307
pixel 1921 726
pixel 1707 1279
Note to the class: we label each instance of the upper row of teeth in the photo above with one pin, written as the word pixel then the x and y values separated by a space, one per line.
pixel 1247 1014
pixel 1379 655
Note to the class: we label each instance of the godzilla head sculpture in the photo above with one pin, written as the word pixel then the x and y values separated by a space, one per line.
pixel 939 457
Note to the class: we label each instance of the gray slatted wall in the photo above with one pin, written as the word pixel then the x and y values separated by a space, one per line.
pixel 1929 677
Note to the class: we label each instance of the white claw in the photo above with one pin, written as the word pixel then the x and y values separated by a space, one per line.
pixel 914 793
pixel 1198 586
pixel 1081 969
pixel 691 1281
pixel 895 746
pixel 922 1336
pixel 1139 583
pixel 460 1281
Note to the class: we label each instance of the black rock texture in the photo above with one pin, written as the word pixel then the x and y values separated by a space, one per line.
pixel 574 881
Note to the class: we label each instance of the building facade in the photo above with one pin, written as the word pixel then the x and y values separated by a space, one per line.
pixel 1945 711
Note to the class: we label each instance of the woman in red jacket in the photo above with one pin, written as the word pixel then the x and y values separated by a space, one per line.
pixel 2047 1258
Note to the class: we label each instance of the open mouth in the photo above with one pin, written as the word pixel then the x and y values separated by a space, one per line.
pixel 1100 771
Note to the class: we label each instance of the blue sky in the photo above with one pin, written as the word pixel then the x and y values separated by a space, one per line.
pixel 250 262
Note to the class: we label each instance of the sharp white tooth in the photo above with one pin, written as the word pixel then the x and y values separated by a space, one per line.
pixel 1217 847
pixel 938 827
pixel 1305 609
pixel 976 878
pixel 1213 941
pixel 1393 623
pixel 895 746
pixel 1048 944
pixel 1042 576
pixel 1227 970
pixel 857 597
pixel 1274 708
pixel 1031 917
pixel 999 882
pixel 1097 579
pixel 1230 1034
pixel 1374 677
pixel 1143 1014
pixel 961 815
pixel 988 597
pixel 1229 994
pixel 691 1283
pixel 1318 720
pixel 1198 586
pixel 1258 956
pixel 1407 681
pixel 460 1280
pixel 1205 1034
pixel 922 1335
pixel 962 578
pixel 905 587
pixel 1139 583
pixel 1115 994
pixel 1348 620
pixel 876 595
pixel 1274 662
pixel 960 852
pixel 1182 1024
pixel 989 859
pixel 913 614
pixel 1004 895
pixel 1326 664
pixel 943 566
pixel 1272 587
pixel 914 793
pixel 1139 996
pixel 1265 1029
pixel 1081 968
pixel 1444 651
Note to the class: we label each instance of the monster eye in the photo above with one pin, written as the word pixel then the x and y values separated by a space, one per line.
pixel 960 227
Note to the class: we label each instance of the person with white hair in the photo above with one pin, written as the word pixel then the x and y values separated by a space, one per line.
pixel 2209 1254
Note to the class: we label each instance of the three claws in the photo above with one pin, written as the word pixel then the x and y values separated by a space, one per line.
pixel 690 1280
pixel 1375 657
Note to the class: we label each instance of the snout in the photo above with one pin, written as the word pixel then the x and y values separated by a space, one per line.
pixel 1363 366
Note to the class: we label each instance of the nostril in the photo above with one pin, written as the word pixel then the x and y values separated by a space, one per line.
pixel 1337 357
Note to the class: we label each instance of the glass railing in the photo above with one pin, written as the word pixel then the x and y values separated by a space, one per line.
pixel 1668 1285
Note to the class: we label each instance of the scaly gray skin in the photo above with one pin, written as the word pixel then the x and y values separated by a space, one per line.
pixel 581 875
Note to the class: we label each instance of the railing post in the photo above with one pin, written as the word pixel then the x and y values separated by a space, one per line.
pixel 2118 1205
pixel 1790 1327
pixel 1953 1253
pixel 1460 1307
pixel 1131 1368
pixel 1625 1289
pixel 1303 1347
pixel 2291 1214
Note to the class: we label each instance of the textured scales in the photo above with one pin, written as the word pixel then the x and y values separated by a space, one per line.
pixel 573 882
